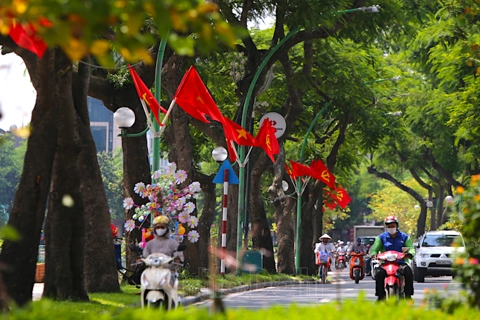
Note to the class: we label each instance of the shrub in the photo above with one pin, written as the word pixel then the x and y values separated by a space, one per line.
pixel 467 264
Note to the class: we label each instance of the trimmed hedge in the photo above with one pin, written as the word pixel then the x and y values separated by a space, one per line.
pixel 347 310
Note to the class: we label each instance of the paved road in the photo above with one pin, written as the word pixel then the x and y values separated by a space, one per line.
pixel 308 294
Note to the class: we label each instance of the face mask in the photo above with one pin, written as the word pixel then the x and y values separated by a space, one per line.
pixel 160 232
pixel 392 230
pixel 325 242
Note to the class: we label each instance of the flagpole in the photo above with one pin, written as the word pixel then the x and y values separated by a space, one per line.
pixel 158 90
pixel 167 115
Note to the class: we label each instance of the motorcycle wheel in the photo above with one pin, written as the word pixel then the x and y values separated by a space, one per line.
pixel 357 275
pixel 154 305
pixel 392 292
pixel 324 274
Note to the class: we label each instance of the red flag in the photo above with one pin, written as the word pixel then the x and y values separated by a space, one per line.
pixel 145 95
pixel 289 171
pixel 193 97
pixel 236 133
pixel 267 140
pixel 26 37
pixel 300 170
pixel 341 197
pixel 321 172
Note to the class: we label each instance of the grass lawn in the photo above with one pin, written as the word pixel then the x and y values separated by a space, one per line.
pixel 130 296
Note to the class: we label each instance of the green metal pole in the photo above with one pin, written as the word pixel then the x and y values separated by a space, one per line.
pixel 241 151
pixel 299 192
pixel 158 91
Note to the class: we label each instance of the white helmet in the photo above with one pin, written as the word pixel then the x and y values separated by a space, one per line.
pixel 348 243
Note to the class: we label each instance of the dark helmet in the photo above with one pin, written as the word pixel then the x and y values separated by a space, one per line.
pixel 359 239
pixel 391 219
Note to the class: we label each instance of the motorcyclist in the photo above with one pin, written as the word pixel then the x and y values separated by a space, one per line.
pixel 393 239
pixel 357 247
pixel 325 246
pixel 162 243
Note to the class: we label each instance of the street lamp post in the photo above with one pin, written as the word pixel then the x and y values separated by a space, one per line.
pixel 241 153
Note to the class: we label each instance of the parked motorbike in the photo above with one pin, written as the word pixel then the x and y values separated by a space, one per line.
pixel 357 266
pixel 394 281
pixel 159 287
pixel 322 262
pixel 341 261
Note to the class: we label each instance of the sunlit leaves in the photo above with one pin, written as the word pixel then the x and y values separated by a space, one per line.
pixel 78 26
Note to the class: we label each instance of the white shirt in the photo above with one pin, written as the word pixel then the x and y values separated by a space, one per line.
pixel 320 247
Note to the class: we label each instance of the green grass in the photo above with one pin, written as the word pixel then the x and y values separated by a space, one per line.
pixel 129 298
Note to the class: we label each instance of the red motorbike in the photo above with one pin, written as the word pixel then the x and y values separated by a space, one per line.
pixel 394 281
pixel 357 266
pixel 341 261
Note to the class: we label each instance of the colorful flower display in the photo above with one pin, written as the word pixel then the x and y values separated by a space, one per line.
pixel 165 197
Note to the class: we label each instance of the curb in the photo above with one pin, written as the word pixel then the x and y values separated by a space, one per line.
pixel 185 301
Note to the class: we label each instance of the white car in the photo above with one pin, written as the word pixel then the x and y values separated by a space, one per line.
pixel 434 255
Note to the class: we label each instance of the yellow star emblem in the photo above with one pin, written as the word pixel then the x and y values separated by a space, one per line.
pixel 242 134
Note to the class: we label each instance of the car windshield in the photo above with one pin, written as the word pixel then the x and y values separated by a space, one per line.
pixel 439 240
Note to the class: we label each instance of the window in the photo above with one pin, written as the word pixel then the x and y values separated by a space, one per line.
pixel 439 240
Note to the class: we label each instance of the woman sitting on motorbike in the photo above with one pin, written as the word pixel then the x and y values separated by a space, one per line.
pixel 325 246
pixel 162 243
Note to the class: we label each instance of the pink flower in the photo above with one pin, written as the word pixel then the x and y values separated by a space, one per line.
pixel 129 225
pixel 128 203
pixel 180 176
pixel 473 261
pixel 184 217
pixel 193 223
pixel 139 188
pixel 193 236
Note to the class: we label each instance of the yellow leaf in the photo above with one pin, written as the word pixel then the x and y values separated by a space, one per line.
pixel 75 50
pixel 23 132
pixel 478 70
pixel 99 47
pixel 20 6
pixel 469 63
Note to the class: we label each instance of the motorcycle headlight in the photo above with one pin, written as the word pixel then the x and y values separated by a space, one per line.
pixel 356 262
pixel 163 281
pixel 156 261
pixel 391 257
pixel 144 281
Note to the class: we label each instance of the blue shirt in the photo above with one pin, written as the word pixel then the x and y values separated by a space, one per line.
pixel 391 243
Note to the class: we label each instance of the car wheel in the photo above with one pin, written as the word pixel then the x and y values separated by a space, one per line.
pixel 421 273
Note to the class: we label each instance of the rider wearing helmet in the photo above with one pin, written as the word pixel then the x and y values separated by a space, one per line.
pixel 357 247
pixel 396 240
pixel 325 246
pixel 162 243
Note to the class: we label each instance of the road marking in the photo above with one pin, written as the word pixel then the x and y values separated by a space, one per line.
pixel 324 300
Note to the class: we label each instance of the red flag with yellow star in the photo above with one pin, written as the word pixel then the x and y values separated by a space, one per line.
pixel 193 97
pixel 267 140
pixel 321 172
pixel 146 97
pixel 235 132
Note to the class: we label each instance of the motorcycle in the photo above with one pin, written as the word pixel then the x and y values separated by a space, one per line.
pixel 374 267
pixel 357 266
pixel 394 281
pixel 158 287
pixel 341 261
pixel 322 262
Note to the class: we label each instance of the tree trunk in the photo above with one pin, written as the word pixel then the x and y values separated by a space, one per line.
pixel 100 269
pixel 261 236
pixel 206 218
pixel 28 210
pixel 307 257
pixel 65 224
